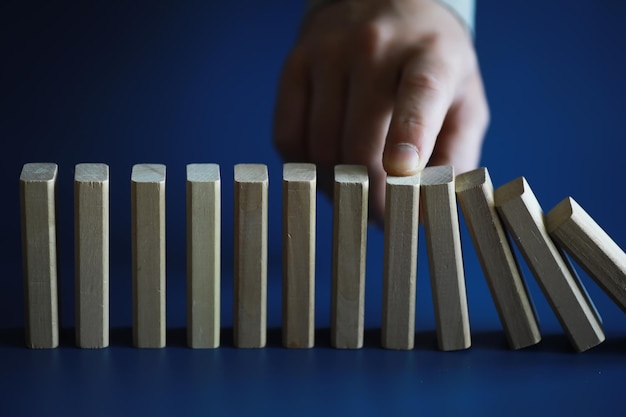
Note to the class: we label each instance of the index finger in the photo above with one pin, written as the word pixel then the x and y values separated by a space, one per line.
pixel 425 93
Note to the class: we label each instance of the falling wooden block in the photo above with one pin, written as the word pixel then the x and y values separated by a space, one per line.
pixel 508 289
pixel 203 255
pixel 38 206
pixel 250 279
pixel 91 229
pixel 349 248
pixel 400 262
pixel 523 218
pixel 445 258
pixel 148 239
pixel 590 246
pixel 299 190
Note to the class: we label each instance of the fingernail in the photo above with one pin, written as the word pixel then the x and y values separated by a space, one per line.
pixel 401 159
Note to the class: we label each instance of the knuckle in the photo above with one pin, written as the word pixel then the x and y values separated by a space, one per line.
pixel 426 81
pixel 370 39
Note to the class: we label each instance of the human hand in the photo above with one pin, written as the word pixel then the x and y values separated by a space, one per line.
pixel 390 84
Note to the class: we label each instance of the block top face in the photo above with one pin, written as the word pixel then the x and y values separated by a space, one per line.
pixel 560 213
pixel 251 173
pixel 438 175
pixel 91 173
pixel 511 190
pixel 39 171
pixel 148 173
pixel 472 179
pixel 409 180
pixel 351 174
pixel 299 172
pixel 203 172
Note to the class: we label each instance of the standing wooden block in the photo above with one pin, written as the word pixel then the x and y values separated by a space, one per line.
pixel 578 233
pixel 91 230
pixel 148 238
pixel 349 247
pixel 445 258
pixel 38 206
pixel 508 289
pixel 523 217
pixel 299 190
pixel 203 255
pixel 250 304
pixel 400 262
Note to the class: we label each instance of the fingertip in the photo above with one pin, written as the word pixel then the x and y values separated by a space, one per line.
pixel 401 159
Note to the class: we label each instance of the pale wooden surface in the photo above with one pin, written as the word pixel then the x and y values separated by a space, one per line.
pixel 38 206
pixel 91 234
pixel 508 289
pixel 299 213
pixel 250 275
pixel 445 258
pixel 523 217
pixel 590 246
pixel 349 249
pixel 400 262
pixel 203 255
pixel 148 238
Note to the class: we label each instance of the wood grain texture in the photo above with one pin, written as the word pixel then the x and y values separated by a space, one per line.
pixel 299 213
pixel 590 246
pixel 350 210
pixel 523 217
pixel 508 289
pixel 203 193
pixel 39 254
pixel 445 258
pixel 91 234
pixel 250 279
pixel 400 262
pixel 148 239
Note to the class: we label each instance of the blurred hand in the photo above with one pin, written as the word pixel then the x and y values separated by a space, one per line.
pixel 393 85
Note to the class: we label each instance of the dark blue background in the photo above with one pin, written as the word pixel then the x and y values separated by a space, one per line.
pixel 177 83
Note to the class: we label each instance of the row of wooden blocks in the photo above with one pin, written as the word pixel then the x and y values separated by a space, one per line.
pixel 492 217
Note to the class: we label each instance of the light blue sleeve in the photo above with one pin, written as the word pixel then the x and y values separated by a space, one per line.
pixel 464 9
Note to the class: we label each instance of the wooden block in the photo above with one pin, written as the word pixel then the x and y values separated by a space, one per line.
pixel 38 206
pixel 349 248
pixel 148 238
pixel 203 255
pixel 400 262
pixel 508 289
pixel 523 217
pixel 250 304
pixel 91 234
pixel 445 258
pixel 299 210
pixel 590 246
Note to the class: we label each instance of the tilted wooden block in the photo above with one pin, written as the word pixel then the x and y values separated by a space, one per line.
pixel 91 229
pixel 148 238
pixel 299 213
pixel 445 258
pixel 590 246
pixel 508 289
pixel 203 192
pixel 250 304
pixel 39 247
pixel 523 218
pixel 349 249
pixel 400 262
